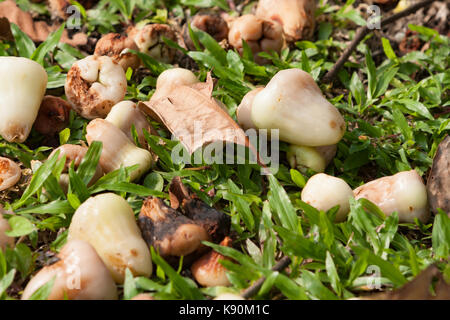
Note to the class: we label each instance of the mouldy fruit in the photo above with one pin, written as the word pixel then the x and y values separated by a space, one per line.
pixel 79 274
pixel 169 232
pixel 107 222
pixel 94 84
pixel 170 79
pixel 117 150
pixel 438 183
pixel 404 192
pixel 260 35
pixel 212 24
pixel 293 103
pixel 10 173
pixel 5 241
pixel 124 115
pixel 323 192
pixel 149 40
pixel 22 87
pixel 207 270
pixel 117 47
pixel 296 16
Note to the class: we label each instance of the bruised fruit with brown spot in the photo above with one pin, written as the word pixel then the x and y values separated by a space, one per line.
pixel 169 232
pixel 207 270
pixel 117 47
pixel 94 84
pixel 149 40
pixel 215 222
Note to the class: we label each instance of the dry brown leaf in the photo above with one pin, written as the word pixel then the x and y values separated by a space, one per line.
pixel 38 31
pixel 5 30
pixel 438 184
pixel 189 110
pixel 419 288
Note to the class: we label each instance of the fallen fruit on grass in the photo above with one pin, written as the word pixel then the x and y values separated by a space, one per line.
pixel 244 111
pixel 5 241
pixel 10 173
pixel 22 87
pixel 94 84
pixel 260 35
pixel 169 232
pixel 438 183
pixel 207 270
pixel 293 103
pixel 117 46
pixel 213 24
pixel 79 274
pixel 169 79
pixel 117 150
pixel 404 193
pixel 107 222
pixel 216 223
pixel 323 192
pixel 228 296
pixel 301 158
pixel 143 296
pixel 296 16
pixel 53 116
pixel 125 115
pixel 149 40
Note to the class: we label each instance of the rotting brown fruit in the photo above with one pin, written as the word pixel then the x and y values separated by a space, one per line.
pixel 207 270
pixel 215 222
pixel 10 173
pixel 260 35
pixel 117 47
pixel 79 274
pixel 94 84
pixel 53 116
pixel 212 24
pixel 438 183
pixel 149 40
pixel 170 233
pixel 296 16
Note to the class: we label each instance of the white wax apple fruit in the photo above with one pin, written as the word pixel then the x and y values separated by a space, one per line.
pixel 108 223
pixel 293 103
pixel 323 192
pixel 117 150
pixel 403 192
pixel 79 274
pixel 171 78
pixel 22 88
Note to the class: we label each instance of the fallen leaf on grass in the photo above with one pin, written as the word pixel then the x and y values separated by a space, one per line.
pixel 38 31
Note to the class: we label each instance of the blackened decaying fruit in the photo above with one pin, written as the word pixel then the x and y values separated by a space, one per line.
pixel 216 223
pixel 438 184
pixel 170 233
pixel 53 116
pixel 212 24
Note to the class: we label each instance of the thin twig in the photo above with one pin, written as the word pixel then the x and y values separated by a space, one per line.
pixel 363 31
pixel 254 288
